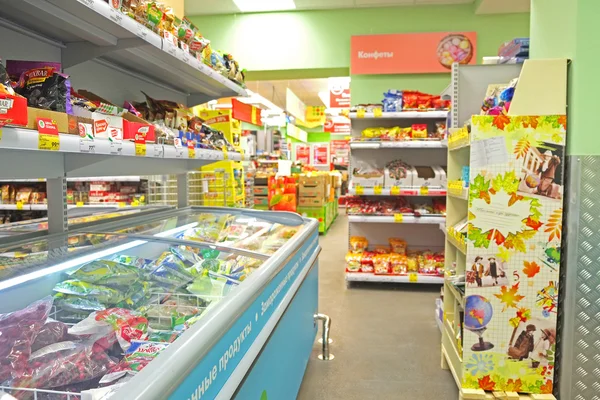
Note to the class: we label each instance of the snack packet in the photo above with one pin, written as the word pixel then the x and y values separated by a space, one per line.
pixel 46 88
pixel 398 245
pixel 139 354
pixel 100 293
pixel 353 262
pixel 77 304
pixel 358 244
pixel 381 264
pixel 104 272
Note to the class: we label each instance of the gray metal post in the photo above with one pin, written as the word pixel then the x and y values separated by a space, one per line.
pixel 56 189
pixel 326 355
pixel 182 190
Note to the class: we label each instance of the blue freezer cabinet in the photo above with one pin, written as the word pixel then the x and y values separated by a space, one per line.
pixel 195 303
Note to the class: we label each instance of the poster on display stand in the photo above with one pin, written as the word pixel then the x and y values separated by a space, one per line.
pixel 340 152
pixel 302 153
pixel 320 154
pixel 513 252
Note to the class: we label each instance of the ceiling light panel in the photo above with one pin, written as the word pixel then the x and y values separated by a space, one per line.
pixel 264 5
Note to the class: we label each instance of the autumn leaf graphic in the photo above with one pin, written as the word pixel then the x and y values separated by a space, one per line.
pixel 554 225
pixel 531 269
pixel 509 297
pixel 533 224
pixel 486 383
pixel 546 388
pixel 503 254
pixel 530 122
pixel 501 120
pixel 522 148
pixel 562 121
pixel 513 385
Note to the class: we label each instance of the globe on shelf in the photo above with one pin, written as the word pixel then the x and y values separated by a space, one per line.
pixel 454 48
pixel 478 313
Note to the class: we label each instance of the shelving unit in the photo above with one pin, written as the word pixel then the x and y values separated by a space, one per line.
pixel 420 232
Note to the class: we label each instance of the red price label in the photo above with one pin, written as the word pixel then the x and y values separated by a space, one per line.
pixel 47 126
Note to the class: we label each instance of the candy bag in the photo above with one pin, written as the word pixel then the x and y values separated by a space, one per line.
pixel 104 272
pixel 358 244
pixel 353 262
pixel 62 364
pixel 128 325
pixel 17 333
pixel 46 88
pixel 136 358
pixel 102 294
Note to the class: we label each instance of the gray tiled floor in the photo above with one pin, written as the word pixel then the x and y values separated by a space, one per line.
pixel 386 342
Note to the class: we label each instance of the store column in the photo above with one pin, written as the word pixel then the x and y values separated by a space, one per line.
pixel 569 28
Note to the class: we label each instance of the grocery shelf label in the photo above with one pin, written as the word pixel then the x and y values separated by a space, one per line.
pixel 122 204
pixel 19 205
pixel 116 147
pixel 377 190
pixel 87 146
pixel 360 113
pixel 0 133
pixel 359 190
pixel 115 15
pixel 48 134
pixel 79 204
pixel 159 151
pixel 377 112
pixel 395 191
pixel 191 152
pixel 424 190
pixel 413 277
pixel 398 218
pixel 140 149
pixel 225 155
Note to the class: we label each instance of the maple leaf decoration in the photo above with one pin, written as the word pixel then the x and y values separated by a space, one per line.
pixel 530 122
pixel 509 297
pixel 554 225
pixel 486 383
pixel 513 385
pixel 562 121
pixel 546 388
pixel 533 224
pixel 531 269
pixel 501 120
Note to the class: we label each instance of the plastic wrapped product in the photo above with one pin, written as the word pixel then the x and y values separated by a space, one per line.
pixel 358 244
pixel 398 245
pixel 104 272
pixel 77 304
pixel 139 294
pixel 169 271
pixel 129 325
pixel 102 294
pixel 167 316
pixel 163 336
pixel 62 364
pixel 381 264
pixel 136 358
pixel 188 257
pixel 52 332
pixel 353 262
pixel 17 333
pixel 366 262
pixel 46 88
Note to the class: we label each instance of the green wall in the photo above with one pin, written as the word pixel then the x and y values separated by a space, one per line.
pixel 308 43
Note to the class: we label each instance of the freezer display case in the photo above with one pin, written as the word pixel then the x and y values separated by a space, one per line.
pixel 195 303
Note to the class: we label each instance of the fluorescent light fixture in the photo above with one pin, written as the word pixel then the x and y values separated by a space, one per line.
pixel 264 5
pixel 87 258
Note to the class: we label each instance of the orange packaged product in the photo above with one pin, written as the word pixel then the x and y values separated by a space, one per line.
pixel 366 262
pixel 412 264
pixel 381 249
pixel 381 264
pixel 398 245
pixel 353 261
pixel 358 244
pixel 398 264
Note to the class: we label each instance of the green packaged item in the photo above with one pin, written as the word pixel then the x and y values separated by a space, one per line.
pixel 134 261
pixel 102 294
pixel 187 256
pixel 77 304
pixel 209 253
pixel 211 228
pixel 170 271
pixel 210 287
pixel 167 316
pixel 211 265
pixel 106 272
pixel 163 336
pixel 138 295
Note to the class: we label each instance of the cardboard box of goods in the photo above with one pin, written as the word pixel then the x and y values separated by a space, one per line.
pixel 13 108
pixel 108 126
pixel 261 190
pixel 314 186
pixel 407 181
pixel 367 181
pixel 428 176
pixel 63 121
pixel 311 201
pixel 134 126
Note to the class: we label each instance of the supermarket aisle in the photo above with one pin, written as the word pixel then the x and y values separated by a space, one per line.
pixel 386 342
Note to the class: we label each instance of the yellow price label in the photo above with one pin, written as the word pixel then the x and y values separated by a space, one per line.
pixel 395 191
pixel 424 190
pixel 225 154
pixel 79 204
pixel 398 218
pixel 413 277
pixel 122 204
pixel 19 205
pixel 359 190
pixel 191 153
pixel 377 190
pixel 377 112
pixel 360 113
pixel 0 133
pixel 140 149
pixel 48 142
pixel 142 198
pixel 135 203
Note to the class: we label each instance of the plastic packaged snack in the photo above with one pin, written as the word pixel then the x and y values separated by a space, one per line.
pixel 381 264
pixel 17 333
pixel 77 304
pixel 412 264
pixel 419 131
pixel 104 272
pixel 398 264
pixel 62 364
pixel 46 88
pixel 169 271
pixel 398 245
pixel 358 244
pixel 128 325
pixel 52 332
pixel 353 262
pixel 102 294
pixel 366 261
pixel 136 358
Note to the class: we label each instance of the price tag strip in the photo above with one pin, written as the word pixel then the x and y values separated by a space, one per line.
pixel 140 149
pixel 359 190
pixel 377 112
pixel 413 277
pixel 377 190
pixel 48 138
pixel 360 113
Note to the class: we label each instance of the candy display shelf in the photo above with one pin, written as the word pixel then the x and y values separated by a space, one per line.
pixel 461 247
pixel 44 207
pixel 397 219
pixel 463 194
pixel 400 115
pixel 92 29
pixel 414 144
pixel 460 297
pixel 397 191
pixel 409 278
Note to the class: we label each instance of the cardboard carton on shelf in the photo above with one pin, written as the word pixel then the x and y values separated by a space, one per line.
pixel 314 186
pixel 367 181
pixel 13 109
pixel 65 123
pixel 311 201
pixel 403 182
pixel 429 176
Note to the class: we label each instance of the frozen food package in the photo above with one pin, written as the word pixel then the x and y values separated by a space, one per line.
pixel 105 272
pixel 100 293
pixel 139 354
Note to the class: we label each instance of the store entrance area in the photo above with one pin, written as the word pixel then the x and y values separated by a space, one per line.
pixel 385 339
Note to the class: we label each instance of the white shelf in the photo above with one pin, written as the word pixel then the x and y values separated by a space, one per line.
pixel 18 144
pixel 413 144
pixel 460 298
pixel 367 277
pixel 390 219
pixel 404 115
pixel 85 179
pixel 413 191
pixel 438 320
pixel 44 207
pixel 464 195
pixel 92 29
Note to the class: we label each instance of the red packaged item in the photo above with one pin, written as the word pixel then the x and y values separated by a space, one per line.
pixel 128 325
pixel 424 101
pixel 366 262
pixel 410 100
pixel 419 131
pixel 17 333
pixel 52 332
pixel 61 364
